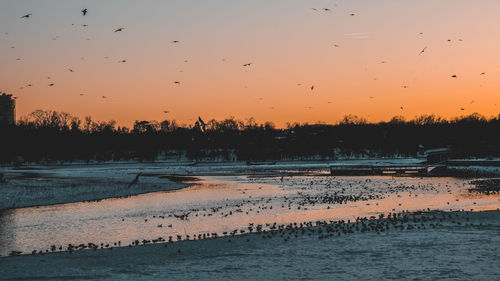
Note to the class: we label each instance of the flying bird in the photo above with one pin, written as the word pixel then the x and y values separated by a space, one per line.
pixel 454 76
pixel 81 95
pixel 103 97
pixel 312 87
pixel 482 73
pixel 462 108
pixel 175 41
pixel 71 70
pixel 247 64
pixel 26 16
pixel 84 12
pixel 423 50
pixel 177 82
pixel 134 181
pixel 165 111
pixel 202 123
pixel 51 84
pixel 119 29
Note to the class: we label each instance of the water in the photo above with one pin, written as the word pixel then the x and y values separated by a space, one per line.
pixel 227 203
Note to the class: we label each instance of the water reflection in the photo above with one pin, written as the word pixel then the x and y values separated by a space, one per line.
pixel 220 204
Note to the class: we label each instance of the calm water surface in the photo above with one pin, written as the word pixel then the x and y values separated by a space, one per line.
pixel 220 204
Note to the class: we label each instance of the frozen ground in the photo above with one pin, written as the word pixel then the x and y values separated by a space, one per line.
pixel 129 235
pixel 36 185
pixel 460 247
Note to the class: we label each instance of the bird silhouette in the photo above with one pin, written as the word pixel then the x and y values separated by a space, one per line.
pixel 176 41
pixel 103 97
pixel 312 87
pixel 177 82
pixel 27 16
pixel 51 84
pixel 423 50
pixel 454 76
pixel 247 64
pixel 202 123
pixel 71 70
pixel 134 181
pixel 165 111
pixel 84 12
pixel 119 29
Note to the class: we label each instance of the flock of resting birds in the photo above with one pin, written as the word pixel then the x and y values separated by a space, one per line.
pixel 322 229
pixel 85 11
pixel 302 193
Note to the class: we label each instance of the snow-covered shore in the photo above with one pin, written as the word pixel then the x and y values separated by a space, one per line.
pixel 452 246
pixel 285 199
pixel 39 185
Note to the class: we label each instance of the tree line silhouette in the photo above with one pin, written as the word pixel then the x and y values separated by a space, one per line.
pixel 47 136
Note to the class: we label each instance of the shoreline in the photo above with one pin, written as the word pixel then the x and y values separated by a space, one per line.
pixel 431 245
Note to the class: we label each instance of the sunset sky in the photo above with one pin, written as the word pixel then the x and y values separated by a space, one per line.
pixel 366 64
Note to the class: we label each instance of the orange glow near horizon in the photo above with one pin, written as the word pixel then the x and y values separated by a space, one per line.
pixel 287 42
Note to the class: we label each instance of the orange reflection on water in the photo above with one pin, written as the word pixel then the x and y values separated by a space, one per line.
pixel 227 203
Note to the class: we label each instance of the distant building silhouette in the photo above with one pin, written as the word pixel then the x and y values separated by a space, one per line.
pixel 7 110
pixel 438 155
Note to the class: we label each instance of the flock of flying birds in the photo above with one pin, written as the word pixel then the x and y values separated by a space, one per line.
pixel 84 13
pixel 249 64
